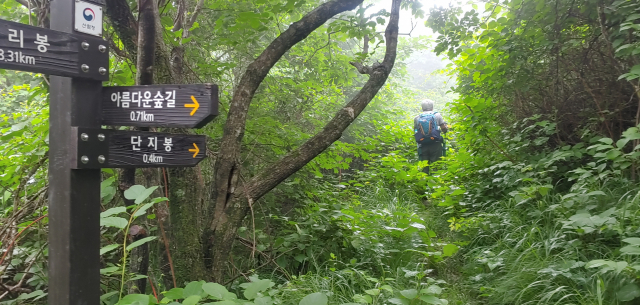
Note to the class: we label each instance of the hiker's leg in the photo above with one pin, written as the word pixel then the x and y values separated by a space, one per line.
pixel 434 153
pixel 422 156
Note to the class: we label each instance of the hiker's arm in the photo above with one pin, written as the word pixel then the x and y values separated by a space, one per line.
pixel 442 123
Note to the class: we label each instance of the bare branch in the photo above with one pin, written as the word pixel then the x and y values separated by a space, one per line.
pixel 193 17
pixel 123 22
pixel 146 42
pixel 179 20
pixel 362 69
pixel 271 176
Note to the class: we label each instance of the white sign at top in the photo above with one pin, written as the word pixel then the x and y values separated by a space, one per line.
pixel 88 18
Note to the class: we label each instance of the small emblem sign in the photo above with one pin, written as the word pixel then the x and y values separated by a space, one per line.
pixel 88 18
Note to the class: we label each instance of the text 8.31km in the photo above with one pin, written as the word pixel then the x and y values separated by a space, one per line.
pixel 16 57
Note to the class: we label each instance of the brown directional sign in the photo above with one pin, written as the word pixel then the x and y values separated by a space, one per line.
pixel 189 106
pixel 33 49
pixel 103 148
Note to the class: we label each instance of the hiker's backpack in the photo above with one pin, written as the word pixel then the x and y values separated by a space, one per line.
pixel 428 130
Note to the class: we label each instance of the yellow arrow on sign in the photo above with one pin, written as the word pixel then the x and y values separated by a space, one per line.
pixel 195 105
pixel 195 150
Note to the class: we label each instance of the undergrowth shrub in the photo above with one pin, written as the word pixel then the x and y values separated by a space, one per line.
pixel 557 226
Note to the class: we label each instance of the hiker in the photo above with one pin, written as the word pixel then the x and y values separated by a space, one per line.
pixel 428 127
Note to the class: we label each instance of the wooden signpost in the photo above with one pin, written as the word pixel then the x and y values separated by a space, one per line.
pixel 77 58
pixel 99 148
pixel 33 49
pixel 189 106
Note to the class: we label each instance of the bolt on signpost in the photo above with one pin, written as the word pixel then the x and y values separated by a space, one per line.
pixel 77 58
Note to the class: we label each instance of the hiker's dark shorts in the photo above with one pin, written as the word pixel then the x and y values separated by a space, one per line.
pixel 430 152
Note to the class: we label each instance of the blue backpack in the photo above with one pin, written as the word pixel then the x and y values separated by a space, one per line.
pixel 428 130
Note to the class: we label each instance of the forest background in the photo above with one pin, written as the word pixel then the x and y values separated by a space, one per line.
pixel 535 202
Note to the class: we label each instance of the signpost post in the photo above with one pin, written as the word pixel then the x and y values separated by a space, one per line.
pixel 77 58
pixel 74 194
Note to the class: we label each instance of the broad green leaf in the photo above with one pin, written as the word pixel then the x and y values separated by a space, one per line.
pixel 263 301
pixel 317 298
pixel 108 248
pixel 359 298
pixel 429 299
pixel 372 292
pixel 173 294
pixel 31 295
pixel 226 302
pixel 192 300
pixel 230 296
pixel 139 193
pixel 134 191
pixel 215 290
pixel 107 182
pixel 113 211
pixel 606 141
pixel 628 292
pixel 409 293
pixel 417 225
pixel 601 193
pixel 140 242
pixel 145 194
pixel 632 240
pixel 399 301
pixel 449 249
pixel 621 143
pixel 133 298
pixel 116 222
pixel 107 295
pixel 433 289
pixel 109 270
pixel 620 266
pixel 142 210
pixel 193 288
pixel 252 288
pixel 630 250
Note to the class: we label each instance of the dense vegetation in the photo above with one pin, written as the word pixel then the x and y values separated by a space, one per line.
pixel 536 202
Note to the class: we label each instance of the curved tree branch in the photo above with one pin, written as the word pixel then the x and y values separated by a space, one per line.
pixel 271 176
pixel 243 94
pixel 231 203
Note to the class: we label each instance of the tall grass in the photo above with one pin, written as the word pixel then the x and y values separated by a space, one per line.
pixel 537 252
pixel 382 260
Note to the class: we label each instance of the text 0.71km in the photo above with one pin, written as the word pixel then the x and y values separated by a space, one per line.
pixel 141 116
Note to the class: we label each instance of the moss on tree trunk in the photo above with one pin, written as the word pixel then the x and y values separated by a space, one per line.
pixel 185 206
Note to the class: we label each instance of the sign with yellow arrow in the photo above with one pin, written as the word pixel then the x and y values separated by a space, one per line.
pixel 187 106
pixel 102 148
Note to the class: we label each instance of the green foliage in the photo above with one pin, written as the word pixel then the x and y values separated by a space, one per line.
pixel 536 201
pixel 111 218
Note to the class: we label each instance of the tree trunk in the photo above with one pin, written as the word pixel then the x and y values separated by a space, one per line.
pixel 144 76
pixel 185 202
